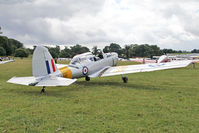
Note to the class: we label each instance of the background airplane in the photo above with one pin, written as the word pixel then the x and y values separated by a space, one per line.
pixel 163 58
pixel 7 61
pixel 47 73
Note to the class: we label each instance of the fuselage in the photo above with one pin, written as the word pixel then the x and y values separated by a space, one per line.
pixel 87 64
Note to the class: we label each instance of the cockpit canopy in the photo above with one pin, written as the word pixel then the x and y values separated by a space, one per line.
pixel 89 57
pixel 82 58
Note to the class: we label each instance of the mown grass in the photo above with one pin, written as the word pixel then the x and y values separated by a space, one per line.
pixel 161 101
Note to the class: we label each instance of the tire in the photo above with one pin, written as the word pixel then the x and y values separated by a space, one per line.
pixel 125 79
pixel 87 78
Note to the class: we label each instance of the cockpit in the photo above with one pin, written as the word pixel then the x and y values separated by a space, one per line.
pixel 89 57
pixel 82 58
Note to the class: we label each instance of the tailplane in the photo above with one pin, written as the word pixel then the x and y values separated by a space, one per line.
pixel 44 70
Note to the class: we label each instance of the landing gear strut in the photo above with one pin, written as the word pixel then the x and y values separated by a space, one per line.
pixel 125 79
pixel 87 78
pixel 43 89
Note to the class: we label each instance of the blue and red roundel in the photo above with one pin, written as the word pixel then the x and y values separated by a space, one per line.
pixel 85 70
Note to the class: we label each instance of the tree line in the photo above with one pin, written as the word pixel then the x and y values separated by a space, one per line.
pixel 132 50
pixel 12 47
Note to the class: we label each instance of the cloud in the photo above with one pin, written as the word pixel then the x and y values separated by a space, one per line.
pixel 168 24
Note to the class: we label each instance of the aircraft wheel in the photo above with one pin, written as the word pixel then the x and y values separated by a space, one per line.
pixel 43 89
pixel 125 79
pixel 87 78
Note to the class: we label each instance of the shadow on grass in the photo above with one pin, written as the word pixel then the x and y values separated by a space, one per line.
pixel 79 86
pixel 49 91
pixel 117 84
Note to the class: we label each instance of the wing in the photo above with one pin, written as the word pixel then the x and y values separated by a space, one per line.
pixel 98 73
pixel 48 81
pixel 118 70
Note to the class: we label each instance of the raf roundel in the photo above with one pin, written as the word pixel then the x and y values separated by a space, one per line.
pixel 85 70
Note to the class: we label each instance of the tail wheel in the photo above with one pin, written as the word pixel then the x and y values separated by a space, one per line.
pixel 125 79
pixel 43 89
pixel 87 78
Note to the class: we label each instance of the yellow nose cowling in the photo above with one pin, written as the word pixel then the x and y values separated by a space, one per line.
pixel 66 72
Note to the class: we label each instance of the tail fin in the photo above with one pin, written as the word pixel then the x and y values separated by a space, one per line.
pixel 42 62
pixel 163 58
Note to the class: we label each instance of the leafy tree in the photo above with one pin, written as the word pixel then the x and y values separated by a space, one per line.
pixel 30 51
pixel 127 51
pixel 132 50
pixel 113 48
pixel 53 52
pixel 155 50
pixel 140 51
pixel 21 52
pixel 195 51
pixel 57 49
pixel 10 45
pixel 4 43
pixel 144 50
pixel 2 51
pixel 78 49
pixel 65 53
pixel 106 49
pixel 14 45
pixel 165 51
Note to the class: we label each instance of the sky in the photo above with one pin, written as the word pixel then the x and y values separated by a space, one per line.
pixel 166 23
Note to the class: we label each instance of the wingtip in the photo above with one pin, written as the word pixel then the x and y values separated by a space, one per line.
pixel 9 81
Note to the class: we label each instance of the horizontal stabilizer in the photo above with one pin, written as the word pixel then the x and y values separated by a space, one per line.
pixel 23 80
pixel 47 81
pixel 56 81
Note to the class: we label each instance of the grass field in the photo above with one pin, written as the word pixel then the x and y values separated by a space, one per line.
pixel 161 101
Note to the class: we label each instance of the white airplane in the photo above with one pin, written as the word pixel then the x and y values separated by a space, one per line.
pixel 162 59
pixel 7 61
pixel 47 73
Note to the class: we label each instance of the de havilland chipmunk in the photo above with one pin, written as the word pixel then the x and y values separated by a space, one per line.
pixel 46 73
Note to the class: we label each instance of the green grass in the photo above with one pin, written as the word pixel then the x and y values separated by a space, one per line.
pixel 161 101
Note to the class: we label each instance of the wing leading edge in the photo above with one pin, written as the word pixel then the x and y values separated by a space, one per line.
pixel 118 70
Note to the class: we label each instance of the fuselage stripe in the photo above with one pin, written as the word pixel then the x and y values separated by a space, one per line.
pixel 48 67
pixel 66 72
pixel 53 65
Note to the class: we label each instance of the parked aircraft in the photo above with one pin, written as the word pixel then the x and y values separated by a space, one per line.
pixel 7 61
pixel 47 73
pixel 162 59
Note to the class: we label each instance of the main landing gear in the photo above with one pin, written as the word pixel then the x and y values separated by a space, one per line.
pixel 87 78
pixel 125 79
pixel 43 89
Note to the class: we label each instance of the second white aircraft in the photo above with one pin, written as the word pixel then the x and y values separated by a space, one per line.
pixel 47 73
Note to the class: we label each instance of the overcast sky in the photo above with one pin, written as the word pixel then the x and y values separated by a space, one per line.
pixel 166 23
